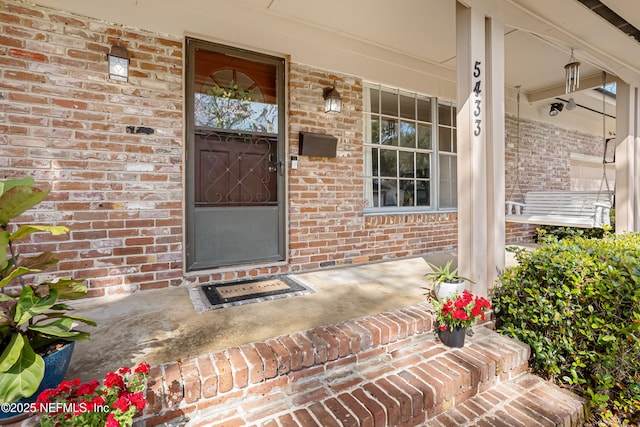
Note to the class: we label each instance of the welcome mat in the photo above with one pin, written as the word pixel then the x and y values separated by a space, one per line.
pixel 210 297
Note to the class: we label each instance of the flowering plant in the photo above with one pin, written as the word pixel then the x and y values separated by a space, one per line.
pixel 460 311
pixel 113 404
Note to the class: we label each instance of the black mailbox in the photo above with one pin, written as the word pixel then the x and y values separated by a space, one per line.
pixel 317 145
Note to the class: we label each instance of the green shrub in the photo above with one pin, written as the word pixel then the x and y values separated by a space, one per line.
pixel 576 302
pixel 563 232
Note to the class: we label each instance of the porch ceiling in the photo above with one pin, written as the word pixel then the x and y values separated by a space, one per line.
pixel 415 35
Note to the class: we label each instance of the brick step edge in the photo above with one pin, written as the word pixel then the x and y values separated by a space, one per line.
pixel 245 385
pixel 524 401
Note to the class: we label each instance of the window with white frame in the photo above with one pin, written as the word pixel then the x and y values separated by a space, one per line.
pixel 410 152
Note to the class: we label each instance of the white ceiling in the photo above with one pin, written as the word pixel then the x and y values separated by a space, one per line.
pixel 408 38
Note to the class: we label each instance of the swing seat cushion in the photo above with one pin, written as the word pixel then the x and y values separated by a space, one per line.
pixel 585 209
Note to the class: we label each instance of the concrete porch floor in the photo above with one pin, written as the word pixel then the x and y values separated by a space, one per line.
pixel 162 326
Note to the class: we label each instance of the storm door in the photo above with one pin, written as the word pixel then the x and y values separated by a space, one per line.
pixel 235 145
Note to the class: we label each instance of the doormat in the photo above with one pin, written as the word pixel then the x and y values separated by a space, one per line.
pixel 211 297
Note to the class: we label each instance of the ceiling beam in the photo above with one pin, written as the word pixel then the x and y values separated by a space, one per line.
pixel 559 90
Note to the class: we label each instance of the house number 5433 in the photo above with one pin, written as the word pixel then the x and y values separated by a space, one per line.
pixel 477 73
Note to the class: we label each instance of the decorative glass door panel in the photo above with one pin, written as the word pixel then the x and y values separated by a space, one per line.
pixel 235 203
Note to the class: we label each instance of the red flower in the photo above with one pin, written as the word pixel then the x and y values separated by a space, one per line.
pixel 112 422
pixel 113 380
pixel 142 368
pixel 64 387
pixel 138 400
pixel 122 403
pixel 87 388
pixel 124 370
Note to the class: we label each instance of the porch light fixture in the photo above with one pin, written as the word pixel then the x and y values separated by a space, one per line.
pixel 332 100
pixel 556 107
pixel 572 75
pixel 118 62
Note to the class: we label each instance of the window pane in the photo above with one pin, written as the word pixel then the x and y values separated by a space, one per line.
pixel 389 163
pixel 389 192
pixel 407 193
pixel 374 129
pixel 424 110
pixel 448 182
pixel 406 164
pixel 423 193
pixel 423 165
pixel 374 162
pixel 370 193
pixel 444 138
pixel 407 107
pixel 454 141
pixel 389 104
pixel 407 134
pixel 454 112
pixel 374 95
pixel 424 137
pixel 389 132
pixel 444 114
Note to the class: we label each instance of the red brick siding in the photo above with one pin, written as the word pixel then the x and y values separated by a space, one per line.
pixel 65 123
pixel 541 158
pixel 121 193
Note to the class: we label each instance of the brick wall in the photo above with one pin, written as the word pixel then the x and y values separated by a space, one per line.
pixel 540 160
pixel 63 122
pixel 120 192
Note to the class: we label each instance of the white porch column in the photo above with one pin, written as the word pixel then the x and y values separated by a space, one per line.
pixel 627 158
pixel 480 136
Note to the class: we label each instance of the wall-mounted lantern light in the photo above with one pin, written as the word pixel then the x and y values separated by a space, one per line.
pixel 118 62
pixel 332 100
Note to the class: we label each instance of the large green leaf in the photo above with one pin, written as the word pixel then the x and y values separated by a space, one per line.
pixel 26 230
pixel 10 183
pixel 41 262
pixel 24 377
pixel 4 242
pixel 30 305
pixel 64 315
pixel 11 354
pixel 68 288
pixel 18 200
pixel 58 328
pixel 20 271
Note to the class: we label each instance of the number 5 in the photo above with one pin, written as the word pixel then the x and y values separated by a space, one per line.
pixel 476 69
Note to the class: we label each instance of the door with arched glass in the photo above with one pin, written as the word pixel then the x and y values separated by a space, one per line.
pixel 235 145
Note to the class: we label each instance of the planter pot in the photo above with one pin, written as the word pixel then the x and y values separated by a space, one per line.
pixel 55 368
pixel 453 338
pixel 448 289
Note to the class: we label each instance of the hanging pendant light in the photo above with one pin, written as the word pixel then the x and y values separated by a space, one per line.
pixel 572 74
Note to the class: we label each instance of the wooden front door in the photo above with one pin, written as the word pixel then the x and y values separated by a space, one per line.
pixel 235 193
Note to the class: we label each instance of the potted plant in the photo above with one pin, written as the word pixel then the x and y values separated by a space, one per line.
pixel 113 404
pixel 35 326
pixel 446 282
pixel 455 315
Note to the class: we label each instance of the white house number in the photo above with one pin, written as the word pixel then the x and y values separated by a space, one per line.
pixel 478 101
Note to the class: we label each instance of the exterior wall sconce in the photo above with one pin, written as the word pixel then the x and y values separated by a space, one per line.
pixel 118 58
pixel 572 75
pixel 556 107
pixel 332 100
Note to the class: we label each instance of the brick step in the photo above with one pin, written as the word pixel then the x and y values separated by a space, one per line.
pixel 523 401
pixel 383 370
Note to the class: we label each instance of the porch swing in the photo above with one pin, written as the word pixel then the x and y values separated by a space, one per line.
pixel 584 209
